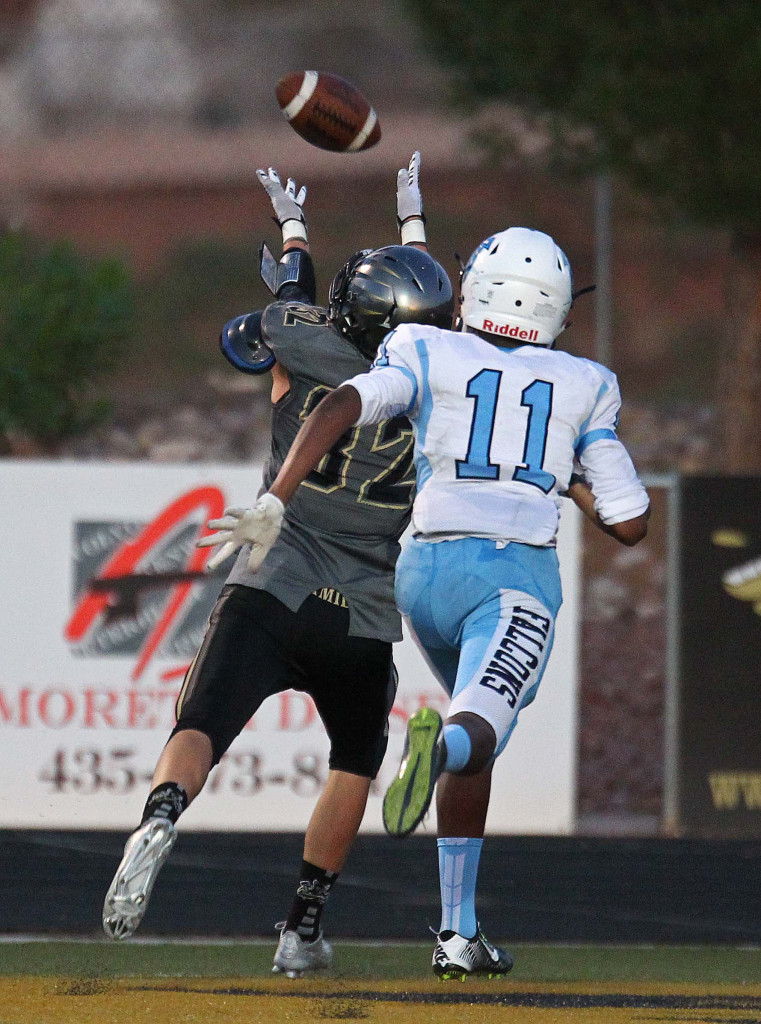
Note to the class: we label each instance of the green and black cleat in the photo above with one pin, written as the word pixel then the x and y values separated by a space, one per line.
pixel 408 797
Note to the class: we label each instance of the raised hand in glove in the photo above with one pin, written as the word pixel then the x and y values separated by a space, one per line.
pixel 409 203
pixel 258 526
pixel 287 204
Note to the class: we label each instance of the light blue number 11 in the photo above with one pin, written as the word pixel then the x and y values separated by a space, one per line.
pixel 538 397
pixel 484 387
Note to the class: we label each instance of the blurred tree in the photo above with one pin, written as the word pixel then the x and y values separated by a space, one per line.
pixel 666 94
pixel 63 322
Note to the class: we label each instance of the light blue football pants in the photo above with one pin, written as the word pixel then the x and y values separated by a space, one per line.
pixel 484 617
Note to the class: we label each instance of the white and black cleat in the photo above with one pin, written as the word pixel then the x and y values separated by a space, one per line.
pixel 127 898
pixel 295 957
pixel 458 957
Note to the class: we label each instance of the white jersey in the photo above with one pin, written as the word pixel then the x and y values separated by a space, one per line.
pixel 497 432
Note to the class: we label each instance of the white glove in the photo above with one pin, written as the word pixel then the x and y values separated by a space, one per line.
pixel 287 204
pixel 409 202
pixel 258 526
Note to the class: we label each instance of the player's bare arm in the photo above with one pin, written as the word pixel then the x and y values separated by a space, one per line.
pixel 629 532
pixel 333 416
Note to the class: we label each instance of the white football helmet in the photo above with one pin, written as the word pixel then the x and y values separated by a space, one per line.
pixel 517 286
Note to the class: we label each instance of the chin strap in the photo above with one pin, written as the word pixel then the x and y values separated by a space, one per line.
pixel 458 324
pixel 574 296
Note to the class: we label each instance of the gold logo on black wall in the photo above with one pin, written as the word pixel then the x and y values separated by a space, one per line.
pixel 732 791
pixel 743 582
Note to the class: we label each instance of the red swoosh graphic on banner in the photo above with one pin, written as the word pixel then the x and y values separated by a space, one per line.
pixel 128 556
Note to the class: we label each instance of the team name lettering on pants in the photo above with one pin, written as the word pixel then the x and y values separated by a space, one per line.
pixel 517 654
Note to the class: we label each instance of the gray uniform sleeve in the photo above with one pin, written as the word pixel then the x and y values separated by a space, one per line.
pixel 307 346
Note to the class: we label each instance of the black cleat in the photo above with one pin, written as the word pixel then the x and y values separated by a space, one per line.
pixel 457 957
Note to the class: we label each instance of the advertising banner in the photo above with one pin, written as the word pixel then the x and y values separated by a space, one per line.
pixel 103 606
pixel 719 739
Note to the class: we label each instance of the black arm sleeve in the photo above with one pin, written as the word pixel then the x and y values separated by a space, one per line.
pixel 296 271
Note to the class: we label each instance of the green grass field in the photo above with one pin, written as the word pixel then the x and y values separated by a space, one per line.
pixel 387 962
pixel 60 982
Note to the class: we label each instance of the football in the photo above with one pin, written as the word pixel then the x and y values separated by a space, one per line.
pixel 328 111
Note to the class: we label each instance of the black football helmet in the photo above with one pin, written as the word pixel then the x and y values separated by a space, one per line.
pixel 379 289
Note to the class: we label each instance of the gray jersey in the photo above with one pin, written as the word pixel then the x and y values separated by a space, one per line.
pixel 342 526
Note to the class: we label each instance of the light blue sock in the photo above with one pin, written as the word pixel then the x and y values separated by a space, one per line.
pixel 458 748
pixel 458 874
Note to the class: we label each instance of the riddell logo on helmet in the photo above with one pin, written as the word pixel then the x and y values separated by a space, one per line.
pixel 511 332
